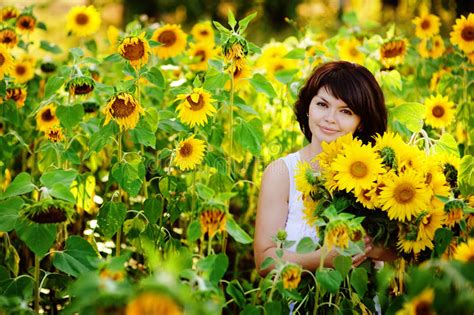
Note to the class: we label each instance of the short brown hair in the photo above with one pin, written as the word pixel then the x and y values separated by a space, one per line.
pixel 353 84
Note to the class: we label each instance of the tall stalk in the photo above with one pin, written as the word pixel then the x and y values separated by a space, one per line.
pixel 142 147
pixel 231 123
pixel 119 232
pixel 37 283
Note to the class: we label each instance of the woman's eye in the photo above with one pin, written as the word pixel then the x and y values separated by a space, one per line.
pixel 346 111
pixel 321 104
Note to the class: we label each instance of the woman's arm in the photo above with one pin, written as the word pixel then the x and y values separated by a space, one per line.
pixel 272 213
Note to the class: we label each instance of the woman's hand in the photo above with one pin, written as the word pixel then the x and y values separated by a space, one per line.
pixel 379 252
pixel 356 259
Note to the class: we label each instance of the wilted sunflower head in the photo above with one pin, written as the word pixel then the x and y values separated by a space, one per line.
pixel 135 49
pixel 48 211
pixel 337 234
pixel 83 21
pixel 46 118
pixel 26 23
pixel 7 13
pixel 212 221
pixel 55 134
pixel 124 109
pixel 8 37
pixel 18 95
pixel 291 276
pixel 235 51
pixel 393 52
pixel 80 85
pixel 6 61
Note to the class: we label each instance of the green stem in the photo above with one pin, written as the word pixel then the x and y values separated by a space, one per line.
pixel 231 123
pixel 37 284
pixel 119 232
pixel 193 193
pixel 275 280
pixel 209 245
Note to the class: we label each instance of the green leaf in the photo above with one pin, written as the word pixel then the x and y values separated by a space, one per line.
pixel 143 135
pixel 110 218
pixel 50 47
pixel 359 280
pixel 21 286
pixel 214 266
pixel 286 76
pixel 410 114
pixel 155 77
pixel 52 85
pixel 113 58
pixel 231 19
pixel 63 177
pixel 38 237
pixel 236 231
pixel 267 262
pixel 261 84
pixel 306 245
pixel 102 137
pixel 194 231
pixel 9 213
pixel 245 22
pixel 391 79
pixel 20 185
pixel 466 175
pixel 70 115
pixel 447 144
pixel 10 112
pixel 153 209
pixel 329 279
pixel 273 307
pixel 78 257
pixel 234 289
pixel 204 191
pixel 130 173
pixel 215 80
pixel 442 239
pixel 343 264
pixel 250 309
pixel 63 192
pixel 297 53
pixel 250 135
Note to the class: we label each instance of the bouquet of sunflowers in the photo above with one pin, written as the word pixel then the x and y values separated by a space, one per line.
pixel 408 198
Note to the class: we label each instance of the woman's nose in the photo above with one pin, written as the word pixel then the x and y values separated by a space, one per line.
pixel 330 116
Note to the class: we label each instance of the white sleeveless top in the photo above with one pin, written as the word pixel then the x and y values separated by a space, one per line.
pixel 296 226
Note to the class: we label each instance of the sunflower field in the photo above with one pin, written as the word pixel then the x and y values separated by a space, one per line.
pixel 132 157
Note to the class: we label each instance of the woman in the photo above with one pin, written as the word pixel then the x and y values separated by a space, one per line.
pixel 338 98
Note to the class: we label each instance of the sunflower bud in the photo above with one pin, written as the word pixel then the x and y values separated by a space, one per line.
pixel 282 235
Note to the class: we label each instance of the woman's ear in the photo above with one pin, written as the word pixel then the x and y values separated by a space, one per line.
pixel 360 128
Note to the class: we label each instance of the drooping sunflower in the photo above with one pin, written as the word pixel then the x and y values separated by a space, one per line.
pixel 309 212
pixel 172 40
pixel 203 32
pixel 48 211
pixel 26 23
pixel 392 53
pixel 427 25
pixel 8 37
pixel 200 54
pixel 463 33
pixel 234 56
pixel 454 211
pixel 337 234
pixel 23 71
pixel 124 109
pixel 153 303
pixel 439 111
pixel 80 85
pixel 291 276
pixel 429 222
pixel 410 241
pixel 421 304
pixel 7 13
pixel 405 195
pixel 46 118
pixel 195 107
pixel 305 178
pixel 190 153
pixel 212 221
pixel 431 47
pixel 358 168
pixel 349 50
pixel 135 49
pixel 6 61
pixel 55 134
pixel 83 21
pixel 18 95
pixel 465 251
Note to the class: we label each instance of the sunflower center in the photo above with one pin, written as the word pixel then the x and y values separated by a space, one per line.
pixel 122 109
pixel 186 150
pixel 358 169
pixel 134 51
pixel 201 54
pixel 167 38
pixel 20 70
pixel 423 308
pixel 2 59
pixel 396 49
pixel 47 115
pixel 204 33
pixel 425 24
pixel 82 19
pixel 82 89
pixel 195 105
pixel 468 33
pixel 237 72
pixel 438 111
pixel 429 178
pixel 354 52
pixel 279 67
pixel 14 94
pixel 8 38
pixel 404 193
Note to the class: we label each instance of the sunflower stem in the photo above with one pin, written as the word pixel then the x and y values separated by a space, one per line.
pixel 274 283
pixel 231 123
pixel 193 192
pixel 119 232
pixel 209 245
pixel 37 283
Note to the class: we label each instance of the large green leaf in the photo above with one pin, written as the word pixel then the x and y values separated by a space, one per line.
pixel 261 84
pixel 359 280
pixel 21 286
pixel 214 266
pixel 391 79
pixel 410 114
pixel 343 264
pixel 153 208
pixel 63 192
pixel 250 135
pixel 101 138
pixel 447 144
pixel 9 213
pixel 194 231
pixel 78 257
pixel 20 185
pixel 155 76
pixel 70 115
pixel 305 245
pixel 51 178
pixel 466 175
pixel 38 237
pixel 52 85
pixel 111 217
pixel 143 134
pixel 215 80
pixel 236 231
pixel 329 279
pixel 130 173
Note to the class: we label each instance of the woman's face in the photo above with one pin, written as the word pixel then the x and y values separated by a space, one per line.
pixel 329 117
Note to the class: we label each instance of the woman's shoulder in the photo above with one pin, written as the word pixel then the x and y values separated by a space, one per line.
pixel 279 169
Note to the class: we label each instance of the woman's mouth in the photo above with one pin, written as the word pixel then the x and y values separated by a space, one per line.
pixel 328 131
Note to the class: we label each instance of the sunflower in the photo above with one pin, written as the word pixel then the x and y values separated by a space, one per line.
pixel 331 150
pixel 172 40
pixel 273 58
pixel 83 21
pixel 432 47
pixel 212 222
pixel 46 118
pixel 241 77
pixel 393 53
pixel 135 49
pixel 349 50
pixel 451 249
pixel 410 241
pixel 203 32
pixel 107 274
pixel 8 38
pixel 450 166
pixel 195 107
pixel 429 222
pixel 7 13
pixel 55 134
pixel 436 182
pixel 153 303
pixel 439 111
pixel 6 62
pixel 234 56
pixel 421 304
pixel 374 193
pixel 337 234
pixel 388 146
pixel 190 153
pixel 291 276
pixel 23 71
pixel 309 208
pixel 18 95
pixel 305 178
pixel 80 85
pixel 404 195
pixel 124 109
pixel 463 33
pixel 363 196
pixel 465 251
pixel 26 23
pixel 358 168
pixel 47 211
pixel 454 211
pixel 436 78
pixel 427 25
pixel 410 157
pixel 200 53
pixel 113 38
